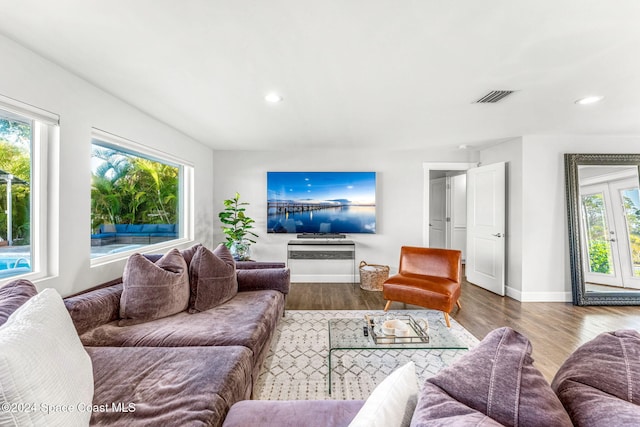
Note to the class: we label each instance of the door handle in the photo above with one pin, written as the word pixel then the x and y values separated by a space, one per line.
pixel 612 240
pixel 497 235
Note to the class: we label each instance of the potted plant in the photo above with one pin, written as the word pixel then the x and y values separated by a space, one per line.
pixel 237 228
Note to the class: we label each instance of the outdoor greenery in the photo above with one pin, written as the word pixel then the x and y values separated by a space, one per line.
pixel 599 247
pixel 600 260
pixel 632 212
pixel 127 189
pixel 15 158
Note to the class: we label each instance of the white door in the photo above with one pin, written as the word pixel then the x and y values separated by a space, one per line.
pixel 458 215
pixel 437 213
pixel 486 227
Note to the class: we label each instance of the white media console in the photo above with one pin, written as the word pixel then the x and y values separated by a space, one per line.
pixel 331 259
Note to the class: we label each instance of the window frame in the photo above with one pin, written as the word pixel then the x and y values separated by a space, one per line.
pixel 44 219
pixel 185 193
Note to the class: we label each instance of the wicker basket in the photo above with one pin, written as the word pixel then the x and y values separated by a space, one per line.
pixel 372 276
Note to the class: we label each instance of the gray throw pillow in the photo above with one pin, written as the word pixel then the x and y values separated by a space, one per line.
pixel 188 253
pixel 153 290
pixel 13 295
pixel 494 384
pixel 213 278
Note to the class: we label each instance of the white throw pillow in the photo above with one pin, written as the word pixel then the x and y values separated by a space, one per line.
pixel 392 402
pixel 46 377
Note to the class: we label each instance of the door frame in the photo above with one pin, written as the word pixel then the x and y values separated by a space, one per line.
pixel 437 166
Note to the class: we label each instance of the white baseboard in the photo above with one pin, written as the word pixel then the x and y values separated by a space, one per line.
pixel 539 296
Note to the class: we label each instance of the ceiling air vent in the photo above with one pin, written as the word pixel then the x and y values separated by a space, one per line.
pixel 494 96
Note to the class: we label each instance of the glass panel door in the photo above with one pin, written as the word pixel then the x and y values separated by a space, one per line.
pixel 631 203
pixel 597 232
pixel 601 245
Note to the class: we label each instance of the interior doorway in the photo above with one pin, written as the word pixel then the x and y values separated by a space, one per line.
pixel 437 230
pixel 448 210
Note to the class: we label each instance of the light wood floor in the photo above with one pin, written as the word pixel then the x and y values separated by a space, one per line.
pixel 554 329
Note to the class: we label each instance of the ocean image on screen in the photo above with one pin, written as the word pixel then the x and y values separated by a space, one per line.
pixel 321 202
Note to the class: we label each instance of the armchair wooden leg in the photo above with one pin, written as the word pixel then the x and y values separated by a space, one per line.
pixel 458 304
pixel 386 307
pixel 446 319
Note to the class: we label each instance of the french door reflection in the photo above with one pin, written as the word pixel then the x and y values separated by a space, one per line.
pixel 611 226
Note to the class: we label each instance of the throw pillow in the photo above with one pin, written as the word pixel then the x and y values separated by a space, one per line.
pixel 497 379
pixel 45 372
pixel 13 295
pixel 187 254
pixel 392 402
pixel 602 373
pixel 213 278
pixel 153 290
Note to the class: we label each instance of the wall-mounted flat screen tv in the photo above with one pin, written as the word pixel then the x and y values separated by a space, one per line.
pixel 321 202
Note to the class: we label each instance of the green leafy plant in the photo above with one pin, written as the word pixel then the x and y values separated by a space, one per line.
pixel 599 257
pixel 237 226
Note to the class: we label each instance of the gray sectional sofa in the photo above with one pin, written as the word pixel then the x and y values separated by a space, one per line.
pixel 186 369
pixel 199 368
pixel 495 384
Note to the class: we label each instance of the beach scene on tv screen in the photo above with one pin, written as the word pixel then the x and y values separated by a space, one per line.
pixel 321 202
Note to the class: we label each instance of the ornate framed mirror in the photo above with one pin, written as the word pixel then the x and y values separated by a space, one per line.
pixel 603 206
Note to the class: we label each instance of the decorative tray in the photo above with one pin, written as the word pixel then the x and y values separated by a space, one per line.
pixel 417 332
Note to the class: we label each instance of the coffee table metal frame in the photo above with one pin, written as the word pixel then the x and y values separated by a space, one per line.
pixel 348 334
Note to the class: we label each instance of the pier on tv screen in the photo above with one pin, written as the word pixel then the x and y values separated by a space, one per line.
pixel 321 202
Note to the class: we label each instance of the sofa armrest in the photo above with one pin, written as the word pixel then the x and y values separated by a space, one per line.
pixel 96 307
pixel 277 279
pixel 253 265
pixel 293 413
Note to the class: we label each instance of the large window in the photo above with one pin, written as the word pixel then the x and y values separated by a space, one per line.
pixel 27 134
pixel 16 133
pixel 135 196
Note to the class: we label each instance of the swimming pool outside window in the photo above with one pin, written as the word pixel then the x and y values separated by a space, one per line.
pixel 16 134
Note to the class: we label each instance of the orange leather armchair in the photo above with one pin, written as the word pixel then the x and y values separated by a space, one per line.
pixel 428 277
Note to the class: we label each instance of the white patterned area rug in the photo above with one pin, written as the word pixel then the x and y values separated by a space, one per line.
pixel 296 367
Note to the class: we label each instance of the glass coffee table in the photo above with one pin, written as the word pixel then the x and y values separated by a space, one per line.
pixel 348 334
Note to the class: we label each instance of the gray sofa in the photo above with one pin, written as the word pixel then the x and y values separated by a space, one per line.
pixel 496 384
pixel 108 234
pixel 185 369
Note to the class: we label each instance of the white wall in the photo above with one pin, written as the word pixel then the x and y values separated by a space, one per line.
pixel 399 197
pixel 538 266
pixel 545 254
pixel 32 79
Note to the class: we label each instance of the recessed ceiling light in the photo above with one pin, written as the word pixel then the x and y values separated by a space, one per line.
pixel 274 98
pixel 463 147
pixel 589 100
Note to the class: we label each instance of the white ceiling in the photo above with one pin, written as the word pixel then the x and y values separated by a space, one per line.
pixel 353 73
